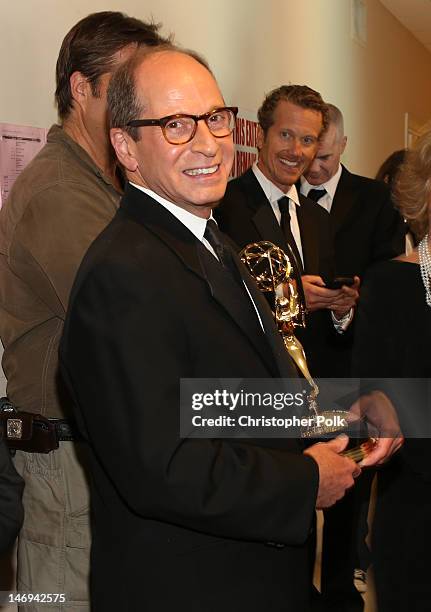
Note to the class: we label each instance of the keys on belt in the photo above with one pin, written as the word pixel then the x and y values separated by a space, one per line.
pixel 32 432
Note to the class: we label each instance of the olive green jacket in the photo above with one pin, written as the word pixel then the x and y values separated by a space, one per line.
pixel 57 206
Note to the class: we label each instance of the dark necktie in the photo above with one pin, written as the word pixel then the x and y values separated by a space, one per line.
pixel 255 301
pixel 222 249
pixel 283 204
pixel 316 194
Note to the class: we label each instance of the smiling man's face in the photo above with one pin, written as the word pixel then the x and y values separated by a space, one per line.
pixel 192 175
pixel 290 144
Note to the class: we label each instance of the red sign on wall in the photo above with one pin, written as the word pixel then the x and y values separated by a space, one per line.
pixel 244 137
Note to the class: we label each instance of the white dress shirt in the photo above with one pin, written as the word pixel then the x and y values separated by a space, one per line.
pixel 330 187
pixel 273 194
pixel 195 224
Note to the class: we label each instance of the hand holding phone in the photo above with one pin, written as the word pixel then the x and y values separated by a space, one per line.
pixel 338 281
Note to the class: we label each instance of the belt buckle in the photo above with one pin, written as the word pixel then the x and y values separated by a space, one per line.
pixel 14 429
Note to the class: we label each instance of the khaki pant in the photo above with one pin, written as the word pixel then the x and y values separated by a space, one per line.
pixel 54 544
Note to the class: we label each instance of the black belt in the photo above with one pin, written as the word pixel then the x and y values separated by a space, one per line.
pixel 34 433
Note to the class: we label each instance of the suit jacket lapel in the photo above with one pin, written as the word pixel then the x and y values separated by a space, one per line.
pixel 264 219
pixel 237 303
pixel 143 209
pixel 343 201
pixel 263 216
pixel 267 226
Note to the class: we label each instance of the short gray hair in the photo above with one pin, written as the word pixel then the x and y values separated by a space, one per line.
pixel 335 117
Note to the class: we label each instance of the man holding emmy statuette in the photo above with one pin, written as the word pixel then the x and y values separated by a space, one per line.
pixel 198 523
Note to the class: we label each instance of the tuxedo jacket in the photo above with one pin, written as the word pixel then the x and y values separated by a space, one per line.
pixel 246 215
pixel 366 228
pixel 187 524
pixel 364 223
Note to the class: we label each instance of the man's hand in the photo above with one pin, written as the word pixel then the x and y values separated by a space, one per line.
pixel 348 300
pixel 381 414
pixel 336 473
pixel 317 296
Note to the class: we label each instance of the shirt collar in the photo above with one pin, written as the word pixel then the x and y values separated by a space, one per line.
pixel 195 224
pixel 330 186
pixel 272 192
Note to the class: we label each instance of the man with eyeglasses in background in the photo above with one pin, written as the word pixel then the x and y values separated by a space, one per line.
pixel 196 523
pixel 57 206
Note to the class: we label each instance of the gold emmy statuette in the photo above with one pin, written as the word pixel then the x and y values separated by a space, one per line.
pixel 273 271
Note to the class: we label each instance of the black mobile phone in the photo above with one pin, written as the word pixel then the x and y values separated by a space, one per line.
pixel 338 281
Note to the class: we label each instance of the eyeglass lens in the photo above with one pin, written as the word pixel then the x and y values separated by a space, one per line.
pixel 181 129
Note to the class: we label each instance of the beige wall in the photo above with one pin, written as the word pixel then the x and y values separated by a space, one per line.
pixel 393 77
pixel 253 45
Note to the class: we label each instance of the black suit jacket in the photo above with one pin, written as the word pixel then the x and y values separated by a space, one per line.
pixel 246 215
pixel 365 225
pixel 365 228
pixel 178 523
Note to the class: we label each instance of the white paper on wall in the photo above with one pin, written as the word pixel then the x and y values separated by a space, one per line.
pixel 18 145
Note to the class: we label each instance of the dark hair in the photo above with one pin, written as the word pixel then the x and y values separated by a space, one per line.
pixel 90 47
pixel 301 95
pixel 388 171
pixel 124 102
